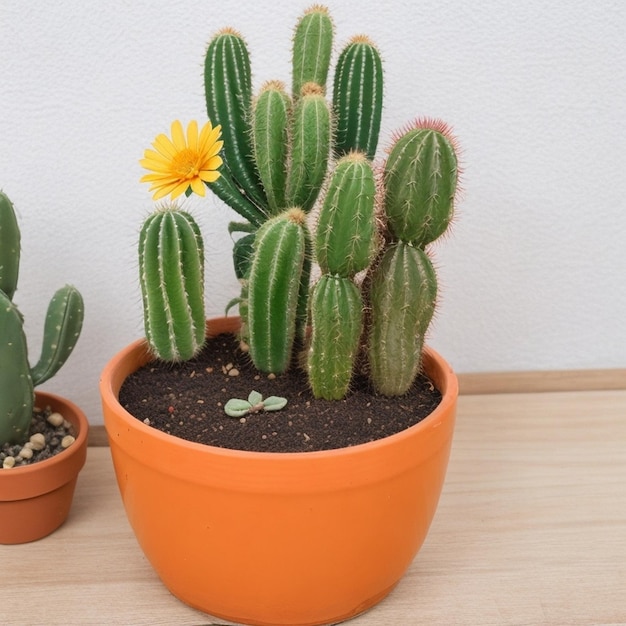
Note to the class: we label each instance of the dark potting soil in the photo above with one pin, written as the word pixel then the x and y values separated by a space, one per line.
pixel 187 400
pixel 54 440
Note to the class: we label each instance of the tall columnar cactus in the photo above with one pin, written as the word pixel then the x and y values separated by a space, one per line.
pixel 276 154
pixel 420 180
pixel 344 245
pixel 312 48
pixel 271 118
pixel 171 270
pixel 273 290
pixel 358 98
pixel 310 147
pixel 282 140
pixel 62 328
pixel 228 90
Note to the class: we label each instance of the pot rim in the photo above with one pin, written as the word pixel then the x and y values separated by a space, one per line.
pixel 137 354
pixel 75 455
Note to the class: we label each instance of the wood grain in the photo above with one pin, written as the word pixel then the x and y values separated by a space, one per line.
pixel 530 530
pixel 539 382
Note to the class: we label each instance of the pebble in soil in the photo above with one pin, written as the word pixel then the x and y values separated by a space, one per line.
pixel 49 434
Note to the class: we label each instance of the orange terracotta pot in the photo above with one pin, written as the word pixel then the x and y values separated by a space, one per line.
pixel 278 538
pixel 36 499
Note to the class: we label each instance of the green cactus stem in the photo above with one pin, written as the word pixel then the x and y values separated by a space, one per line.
pixel 226 190
pixel 312 48
pixel 9 247
pixel 344 246
pixel 61 330
pixel 345 233
pixel 358 98
pixel 402 296
pixel 311 140
pixel 420 183
pixel 228 91
pixel 62 327
pixel 336 324
pixel 16 385
pixel 171 268
pixel 271 116
pixel 273 288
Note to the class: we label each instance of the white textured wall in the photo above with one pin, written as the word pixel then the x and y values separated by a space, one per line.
pixel 534 274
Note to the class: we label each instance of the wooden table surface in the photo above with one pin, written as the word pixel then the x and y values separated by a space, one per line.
pixel 531 530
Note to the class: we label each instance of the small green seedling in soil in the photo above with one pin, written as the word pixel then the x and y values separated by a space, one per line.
pixel 254 404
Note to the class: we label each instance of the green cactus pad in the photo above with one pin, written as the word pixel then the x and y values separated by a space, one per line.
pixel 402 295
pixel 171 268
pixel 358 98
pixel 273 289
pixel 16 385
pixel 420 183
pixel 336 321
pixel 9 247
pixel 345 234
pixel 62 327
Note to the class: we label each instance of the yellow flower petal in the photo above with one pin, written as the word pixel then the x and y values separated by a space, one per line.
pixel 214 149
pixel 163 144
pixel 214 163
pixel 192 135
pixel 178 136
pixel 209 176
pixel 180 189
pixel 197 186
pixel 209 136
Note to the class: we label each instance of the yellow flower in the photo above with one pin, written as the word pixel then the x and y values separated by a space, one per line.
pixel 183 162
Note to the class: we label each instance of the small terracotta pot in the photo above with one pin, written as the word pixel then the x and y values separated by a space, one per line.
pixel 35 499
pixel 278 538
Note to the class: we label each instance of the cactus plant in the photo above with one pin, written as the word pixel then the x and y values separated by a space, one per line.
pixel 420 178
pixel 358 98
pixel 62 328
pixel 171 269
pixel 344 246
pixel 286 153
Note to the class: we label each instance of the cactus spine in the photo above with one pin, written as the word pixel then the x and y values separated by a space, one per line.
pixel 171 268
pixel 61 330
pixel 344 246
pixel 420 179
pixel 275 278
pixel 358 98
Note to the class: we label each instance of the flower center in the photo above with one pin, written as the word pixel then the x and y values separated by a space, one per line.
pixel 185 163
